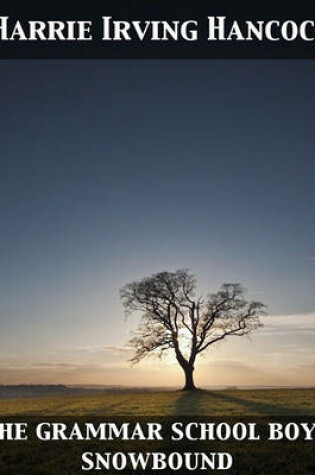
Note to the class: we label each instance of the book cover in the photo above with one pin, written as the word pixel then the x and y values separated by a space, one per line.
pixel 157 270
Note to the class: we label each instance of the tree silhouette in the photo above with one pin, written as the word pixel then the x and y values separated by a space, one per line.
pixel 174 319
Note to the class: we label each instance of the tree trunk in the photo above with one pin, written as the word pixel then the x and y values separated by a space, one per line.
pixel 189 379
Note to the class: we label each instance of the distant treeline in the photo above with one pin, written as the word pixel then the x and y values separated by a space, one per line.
pixel 25 390
pixel 46 390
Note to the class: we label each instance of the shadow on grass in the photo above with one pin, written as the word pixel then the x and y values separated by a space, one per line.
pixel 205 402
pixel 190 403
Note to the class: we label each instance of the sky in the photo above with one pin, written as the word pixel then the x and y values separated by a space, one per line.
pixel 114 170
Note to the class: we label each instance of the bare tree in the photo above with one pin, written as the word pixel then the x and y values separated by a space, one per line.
pixel 173 318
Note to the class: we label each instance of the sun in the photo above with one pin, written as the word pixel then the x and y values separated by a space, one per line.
pixel 184 338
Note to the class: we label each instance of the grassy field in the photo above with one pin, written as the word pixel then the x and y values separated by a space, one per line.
pixel 34 457
pixel 216 403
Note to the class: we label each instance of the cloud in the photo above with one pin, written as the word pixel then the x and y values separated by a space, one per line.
pixel 229 364
pixel 288 324
pixel 117 349
pixel 46 365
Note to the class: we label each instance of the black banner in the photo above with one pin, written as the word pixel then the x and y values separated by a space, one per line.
pixel 186 445
pixel 157 29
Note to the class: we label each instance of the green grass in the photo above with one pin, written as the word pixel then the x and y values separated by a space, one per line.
pixel 215 403
pixel 64 458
